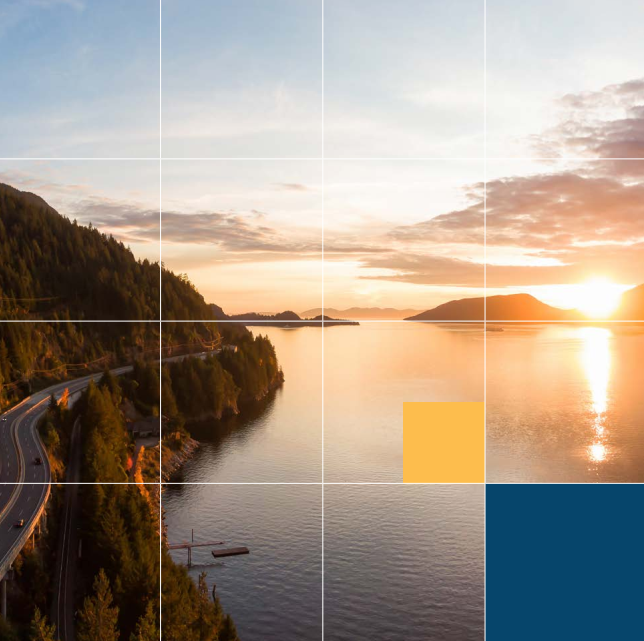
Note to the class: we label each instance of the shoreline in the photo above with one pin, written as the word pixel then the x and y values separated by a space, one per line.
pixel 179 458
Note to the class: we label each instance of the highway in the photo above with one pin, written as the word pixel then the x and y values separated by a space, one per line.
pixel 24 486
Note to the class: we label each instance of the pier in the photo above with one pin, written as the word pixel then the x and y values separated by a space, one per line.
pixel 230 552
pixel 219 553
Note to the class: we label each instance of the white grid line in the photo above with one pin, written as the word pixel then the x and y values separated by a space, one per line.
pixel 334 159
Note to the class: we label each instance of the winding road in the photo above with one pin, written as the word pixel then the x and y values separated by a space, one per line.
pixel 24 486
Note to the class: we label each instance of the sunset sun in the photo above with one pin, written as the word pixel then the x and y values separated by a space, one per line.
pixel 598 298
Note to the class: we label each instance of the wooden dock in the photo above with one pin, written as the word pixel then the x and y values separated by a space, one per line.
pixel 230 552
pixel 216 553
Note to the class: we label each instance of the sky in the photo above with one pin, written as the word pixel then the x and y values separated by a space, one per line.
pixel 397 205
pixel 242 78
pixel 80 78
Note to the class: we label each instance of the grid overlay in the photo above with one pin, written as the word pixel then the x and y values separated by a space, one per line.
pixel 322 483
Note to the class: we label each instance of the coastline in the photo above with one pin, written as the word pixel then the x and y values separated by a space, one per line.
pixel 179 458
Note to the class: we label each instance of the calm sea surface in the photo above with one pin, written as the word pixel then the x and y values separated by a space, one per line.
pixel 565 404
pixel 400 561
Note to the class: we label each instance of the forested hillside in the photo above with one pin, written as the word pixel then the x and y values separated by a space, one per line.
pixel 52 267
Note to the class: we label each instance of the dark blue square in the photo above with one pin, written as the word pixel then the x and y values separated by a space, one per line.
pixel 564 562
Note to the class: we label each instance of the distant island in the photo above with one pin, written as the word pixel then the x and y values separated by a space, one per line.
pixel 524 307
pixel 282 319
pixel 363 313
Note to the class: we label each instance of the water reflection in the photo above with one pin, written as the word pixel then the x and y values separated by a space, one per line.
pixel 596 362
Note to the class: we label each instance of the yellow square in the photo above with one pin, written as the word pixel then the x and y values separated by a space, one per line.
pixel 443 442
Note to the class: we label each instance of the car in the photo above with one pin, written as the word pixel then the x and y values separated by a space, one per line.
pixel 4 419
pixel 20 523
pixel 38 461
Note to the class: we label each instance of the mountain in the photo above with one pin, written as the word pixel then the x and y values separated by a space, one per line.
pixel 362 313
pixel 51 267
pixel 508 307
pixel 631 306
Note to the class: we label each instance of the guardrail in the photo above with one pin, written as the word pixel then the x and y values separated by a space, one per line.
pixel 29 527
pixel 25 533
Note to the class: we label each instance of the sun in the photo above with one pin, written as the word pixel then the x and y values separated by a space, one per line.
pixel 598 298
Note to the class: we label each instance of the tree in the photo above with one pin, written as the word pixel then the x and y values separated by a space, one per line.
pixel 97 620
pixel 40 630
pixel 147 628
pixel 206 622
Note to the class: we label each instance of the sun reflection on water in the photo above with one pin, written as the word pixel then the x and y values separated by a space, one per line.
pixel 596 362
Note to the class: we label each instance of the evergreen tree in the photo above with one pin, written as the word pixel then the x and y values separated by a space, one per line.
pixel 98 618
pixel 228 630
pixel 40 629
pixel 147 629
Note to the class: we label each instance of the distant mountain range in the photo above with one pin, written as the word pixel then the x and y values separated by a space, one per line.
pixel 282 319
pixel 524 307
pixel 509 307
pixel 363 313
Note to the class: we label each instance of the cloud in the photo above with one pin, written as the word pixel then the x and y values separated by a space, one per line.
pixel 126 221
pixel 608 123
pixel 567 224
pixel 292 186
pixel 230 233
pixel 424 269
pixel 234 233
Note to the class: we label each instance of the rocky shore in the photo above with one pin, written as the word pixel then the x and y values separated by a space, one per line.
pixel 177 459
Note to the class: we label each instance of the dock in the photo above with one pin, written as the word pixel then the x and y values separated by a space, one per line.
pixel 230 552
pixel 219 553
